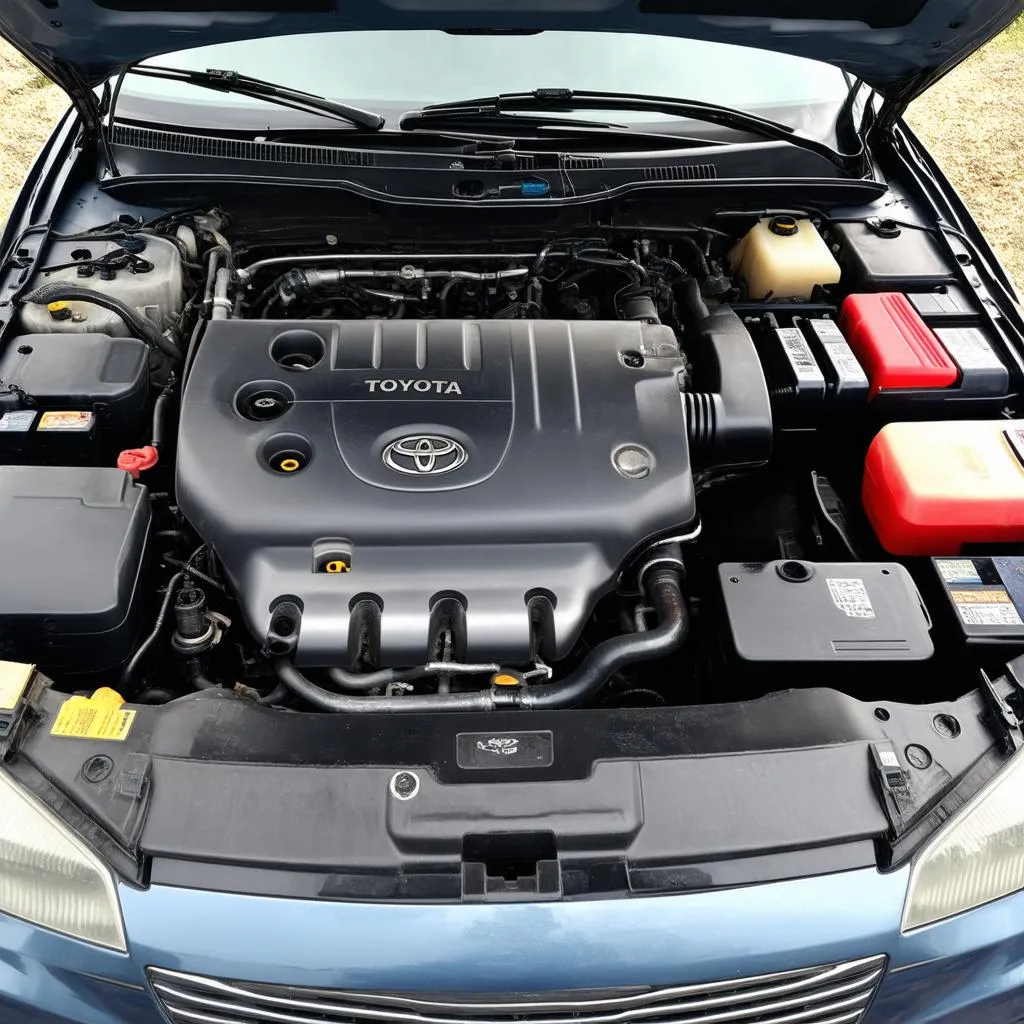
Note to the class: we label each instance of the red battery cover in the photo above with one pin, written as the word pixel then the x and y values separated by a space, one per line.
pixel 894 345
pixel 932 487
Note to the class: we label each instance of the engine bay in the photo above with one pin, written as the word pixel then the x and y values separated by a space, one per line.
pixel 606 468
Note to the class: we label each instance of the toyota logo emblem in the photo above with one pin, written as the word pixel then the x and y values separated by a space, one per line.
pixel 424 455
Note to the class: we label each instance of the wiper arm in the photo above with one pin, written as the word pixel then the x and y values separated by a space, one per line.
pixel 280 95
pixel 505 105
pixel 509 125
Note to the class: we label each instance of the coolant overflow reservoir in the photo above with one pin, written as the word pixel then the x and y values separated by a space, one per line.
pixel 783 257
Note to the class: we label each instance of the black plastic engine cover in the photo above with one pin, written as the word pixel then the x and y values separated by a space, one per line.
pixel 412 461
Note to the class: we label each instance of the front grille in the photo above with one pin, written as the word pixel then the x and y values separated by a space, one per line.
pixel 835 994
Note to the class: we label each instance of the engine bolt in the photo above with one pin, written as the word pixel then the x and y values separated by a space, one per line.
pixel 97 768
pixel 405 785
pixel 632 461
pixel 331 239
pixel 918 756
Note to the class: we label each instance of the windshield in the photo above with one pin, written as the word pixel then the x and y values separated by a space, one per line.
pixel 392 72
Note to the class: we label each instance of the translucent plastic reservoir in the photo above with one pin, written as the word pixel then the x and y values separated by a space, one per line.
pixel 157 293
pixel 783 258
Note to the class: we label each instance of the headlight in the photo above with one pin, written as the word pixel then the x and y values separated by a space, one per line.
pixel 49 877
pixel 976 858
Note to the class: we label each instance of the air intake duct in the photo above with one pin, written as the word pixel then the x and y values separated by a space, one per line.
pixel 728 412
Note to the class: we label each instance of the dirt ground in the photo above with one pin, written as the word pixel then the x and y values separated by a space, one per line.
pixel 968 121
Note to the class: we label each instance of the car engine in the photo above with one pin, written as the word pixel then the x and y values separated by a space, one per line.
pixel 459 478
pixel 485 478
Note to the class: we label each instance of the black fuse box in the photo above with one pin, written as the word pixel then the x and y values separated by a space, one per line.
pixel 845 378
pixel 824 612
pixel 72 545
pixel 812 373
pixel 72 398
pixel 881 256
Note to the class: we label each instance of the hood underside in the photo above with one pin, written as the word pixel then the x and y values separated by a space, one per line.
pixel 899 47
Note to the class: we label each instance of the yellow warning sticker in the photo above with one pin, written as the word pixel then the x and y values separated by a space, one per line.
pixel 14 679
pixel 66 420
pixel 99 717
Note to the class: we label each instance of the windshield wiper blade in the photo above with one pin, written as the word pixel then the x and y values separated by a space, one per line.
pixel 505 105
pixel 280 95
pixel 520 126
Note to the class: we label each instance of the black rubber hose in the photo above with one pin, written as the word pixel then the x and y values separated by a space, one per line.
pixel 159 413
pixel 142 328
pixel 132 667
pixel 276 695
pixel 481 700
pixel 212 262
pixel 664 591
pixel 698 254
pixel 156 695
pixel 692 300
pixel 665 594
pixel 197 678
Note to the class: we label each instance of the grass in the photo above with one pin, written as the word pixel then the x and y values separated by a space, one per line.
pixel 969 121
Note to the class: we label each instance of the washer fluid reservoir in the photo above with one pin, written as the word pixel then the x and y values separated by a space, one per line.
pixel 149 278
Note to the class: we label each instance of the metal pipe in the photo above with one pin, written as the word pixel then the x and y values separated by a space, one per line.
pixel 363 681
pixel 221 302
pixel 480 700
pixel 245 274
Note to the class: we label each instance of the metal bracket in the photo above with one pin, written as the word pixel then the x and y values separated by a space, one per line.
pixel 1001 716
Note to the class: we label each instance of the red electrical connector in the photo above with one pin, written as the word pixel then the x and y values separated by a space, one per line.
pixel 135 460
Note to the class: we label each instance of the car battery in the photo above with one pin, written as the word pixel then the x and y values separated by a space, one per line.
pixel 900 352
pixel 71 398
pixel 985 596
pixel 824 612
pixel 930 488
pixel 72 543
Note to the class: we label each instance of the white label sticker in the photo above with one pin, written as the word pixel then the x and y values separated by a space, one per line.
pixel 851 597
pixel 800 357
pixel 989 614
pixel 957 570
pixel 990 606
pixel 845 361
pixel 19 422
pixel 969 347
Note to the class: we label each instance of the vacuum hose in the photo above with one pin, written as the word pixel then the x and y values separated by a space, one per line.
pixel 663 589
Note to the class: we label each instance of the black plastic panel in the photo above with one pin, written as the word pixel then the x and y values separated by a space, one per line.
pixel 72 543
pixel 415 462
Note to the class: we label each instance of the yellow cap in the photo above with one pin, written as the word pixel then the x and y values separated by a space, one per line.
pixel 505 679
pixel 289 465
pixel 336 565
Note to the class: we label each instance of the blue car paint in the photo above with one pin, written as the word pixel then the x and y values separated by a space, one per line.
pixel 969 970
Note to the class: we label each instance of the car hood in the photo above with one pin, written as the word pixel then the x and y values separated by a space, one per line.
pixel 897 46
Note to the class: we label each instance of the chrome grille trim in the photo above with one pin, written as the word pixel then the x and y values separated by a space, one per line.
pixel 832 994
